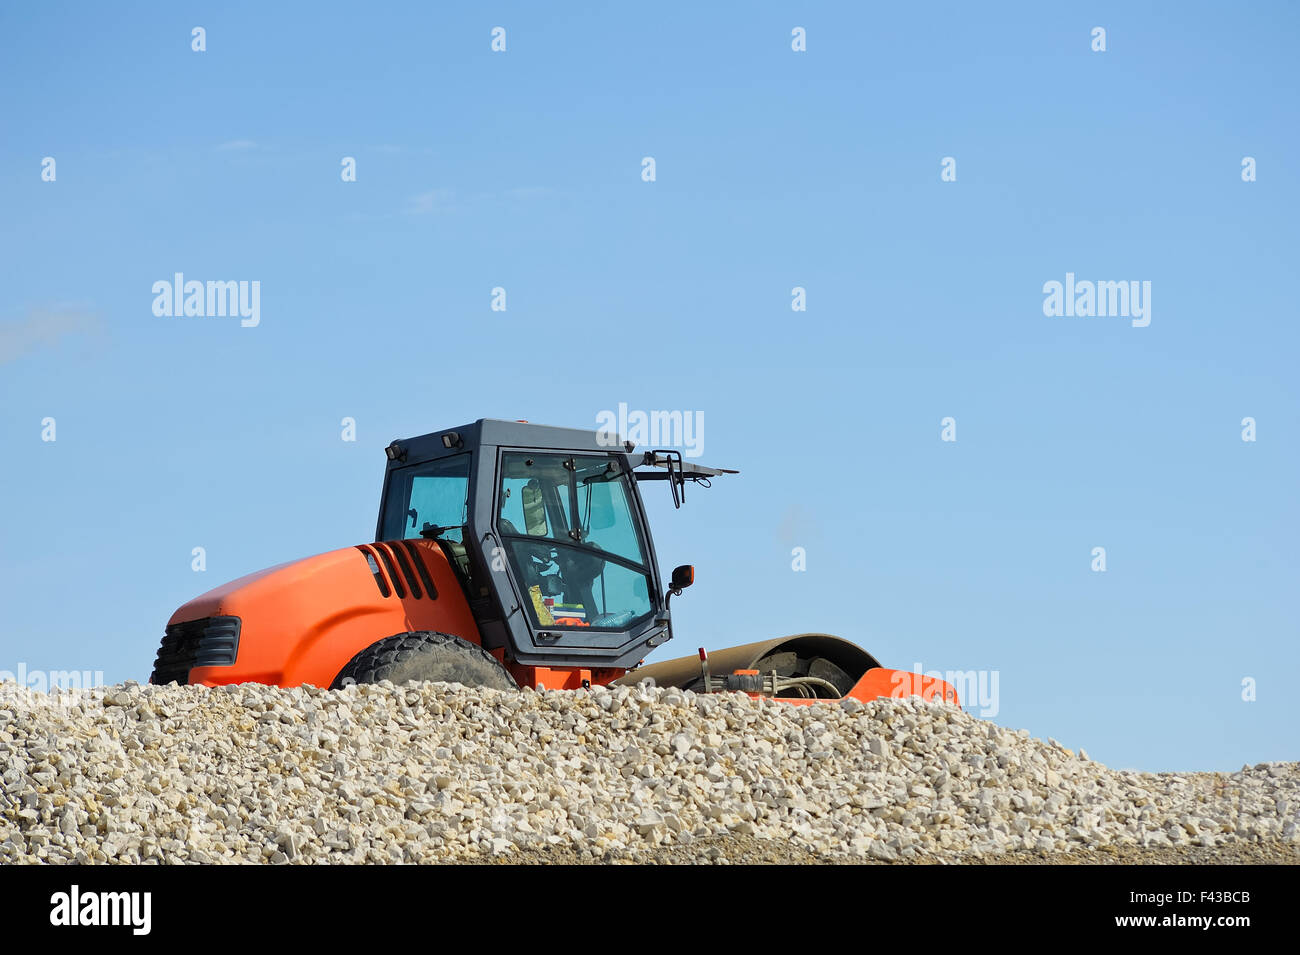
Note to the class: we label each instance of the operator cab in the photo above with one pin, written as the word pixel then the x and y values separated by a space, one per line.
pixel 547 532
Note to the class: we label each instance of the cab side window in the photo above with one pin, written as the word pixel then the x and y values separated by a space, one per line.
pixel 427 500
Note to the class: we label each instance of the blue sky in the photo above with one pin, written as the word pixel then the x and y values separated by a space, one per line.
pixel 774 169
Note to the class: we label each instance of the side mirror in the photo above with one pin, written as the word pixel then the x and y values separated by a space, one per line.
pixel 683 577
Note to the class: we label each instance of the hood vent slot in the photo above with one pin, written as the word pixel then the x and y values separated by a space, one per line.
pixel 418 559
pixel 412 582
pixel 386 557
pixel 373 561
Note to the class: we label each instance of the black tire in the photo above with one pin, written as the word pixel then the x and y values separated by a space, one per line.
pixel 425 656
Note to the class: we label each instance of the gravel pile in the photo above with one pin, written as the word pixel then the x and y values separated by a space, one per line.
pixel 436 772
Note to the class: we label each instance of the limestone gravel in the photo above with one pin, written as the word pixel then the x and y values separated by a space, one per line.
pixel 439 772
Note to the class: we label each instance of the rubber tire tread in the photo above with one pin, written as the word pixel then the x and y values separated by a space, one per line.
pixel 426 655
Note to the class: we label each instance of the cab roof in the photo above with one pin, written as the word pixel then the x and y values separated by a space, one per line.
pixel 498 432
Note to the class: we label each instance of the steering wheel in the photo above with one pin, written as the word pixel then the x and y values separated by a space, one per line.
pixel 580 566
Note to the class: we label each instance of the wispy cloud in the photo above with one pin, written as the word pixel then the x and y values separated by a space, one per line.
pixel 237 145
pixel 427 203
pixel 45 326
pixel 530 192
pixel 441 200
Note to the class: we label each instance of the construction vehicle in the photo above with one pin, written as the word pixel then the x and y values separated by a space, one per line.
pixel 506 554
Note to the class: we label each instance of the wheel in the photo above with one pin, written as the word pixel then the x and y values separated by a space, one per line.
pixel 425 656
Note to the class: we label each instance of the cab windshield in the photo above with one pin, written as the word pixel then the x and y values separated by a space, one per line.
pixel 573 539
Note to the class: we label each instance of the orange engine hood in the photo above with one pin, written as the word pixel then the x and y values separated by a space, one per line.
pixel 301 622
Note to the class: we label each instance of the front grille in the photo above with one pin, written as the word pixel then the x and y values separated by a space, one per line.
pixel 207 642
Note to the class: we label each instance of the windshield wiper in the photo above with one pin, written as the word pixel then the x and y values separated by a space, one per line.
pixel 434 531
pixel 609 473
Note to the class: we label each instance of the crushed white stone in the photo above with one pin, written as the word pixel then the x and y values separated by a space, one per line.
pixel 429 772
